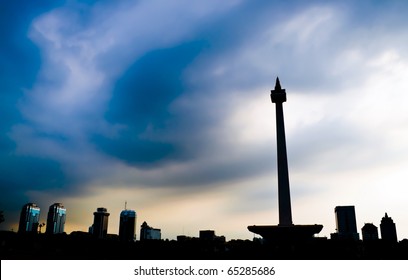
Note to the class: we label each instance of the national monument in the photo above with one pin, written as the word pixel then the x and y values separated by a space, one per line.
pixel 285 230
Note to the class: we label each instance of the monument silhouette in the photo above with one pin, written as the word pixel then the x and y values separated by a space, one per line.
pixel 285 230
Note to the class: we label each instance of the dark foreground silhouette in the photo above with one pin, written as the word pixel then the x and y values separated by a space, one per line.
pixel 82 246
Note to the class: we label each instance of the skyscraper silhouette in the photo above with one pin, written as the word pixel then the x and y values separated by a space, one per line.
pixel 388 229
pixel 56 219
pixel 127 225
pixel 100 225
pixel 346 224
pixel 29 218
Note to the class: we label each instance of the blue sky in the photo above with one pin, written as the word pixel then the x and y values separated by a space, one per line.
pixel 165 105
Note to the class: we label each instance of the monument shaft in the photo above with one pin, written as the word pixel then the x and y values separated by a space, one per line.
pixel 285 209
pixel 278 96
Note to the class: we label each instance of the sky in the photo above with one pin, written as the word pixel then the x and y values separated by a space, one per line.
pixel 165 105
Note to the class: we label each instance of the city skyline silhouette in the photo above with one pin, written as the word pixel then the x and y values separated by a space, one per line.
pixel 344 244
pixel 285 232
pixel 33 226
pixel 101 105
pixel 274 240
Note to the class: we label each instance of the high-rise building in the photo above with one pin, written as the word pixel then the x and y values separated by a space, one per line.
pixel 29 218
pixel 56 219
pixel 127 225
pixel 388 229
pixel 346 225
pixel 369 232
pixel 147 232
pixel 100 225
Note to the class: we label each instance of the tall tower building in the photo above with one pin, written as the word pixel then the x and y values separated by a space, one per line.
pixel 100 225
pixel 278 96
pixel 56 219
pixel 29 218
pixel 285 230
pixel 388 229
pixel 127 225
pixel 346 223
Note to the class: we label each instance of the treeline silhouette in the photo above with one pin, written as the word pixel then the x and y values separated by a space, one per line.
pixel 83 246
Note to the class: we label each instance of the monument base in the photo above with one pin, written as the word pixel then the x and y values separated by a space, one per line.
pixel 293 233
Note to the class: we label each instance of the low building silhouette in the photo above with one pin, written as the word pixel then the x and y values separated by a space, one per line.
pixel 149 233
pixel 184 238
pixel 209 235
pixel 369 232
pixel 83 246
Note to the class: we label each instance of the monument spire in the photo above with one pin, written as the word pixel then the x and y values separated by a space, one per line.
pixel 277 84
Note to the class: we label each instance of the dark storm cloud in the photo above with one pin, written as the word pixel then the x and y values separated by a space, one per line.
pixel 142 97
pixel 19 64
pixel 140 102
pixel 31 173
pixel 19 58
pixel 227 166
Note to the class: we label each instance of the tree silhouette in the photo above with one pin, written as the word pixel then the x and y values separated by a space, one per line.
pixel 1 217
